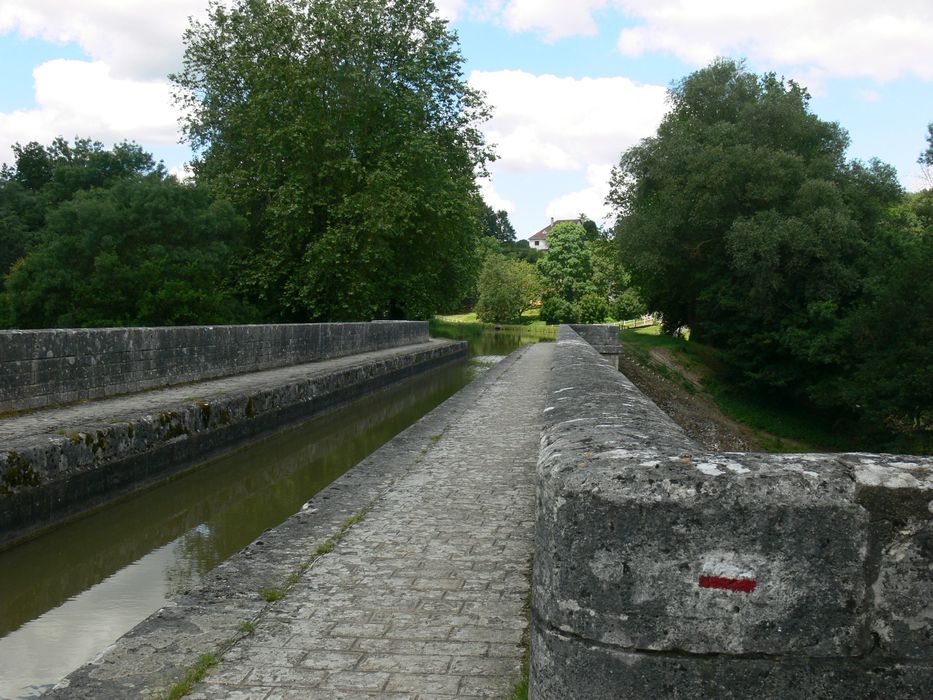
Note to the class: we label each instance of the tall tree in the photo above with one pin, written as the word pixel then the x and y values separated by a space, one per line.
pixel 146 251
pixel 345 132
pixel 569 286
pixel 507 287
pixel 742 219
pixel 43 176
pixel 497 225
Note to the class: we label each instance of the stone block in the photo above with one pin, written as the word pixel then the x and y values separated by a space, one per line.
pixel 566 667
pixel 897 492
pixel 663 570
pixel 723 555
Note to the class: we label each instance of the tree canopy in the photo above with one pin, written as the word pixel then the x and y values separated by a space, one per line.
pixel 742 220
pixel 345 132
pixel 507 287
pixel 44 176
pixel 146 251
pixel 568 277
pixel 497 225
pixel 103 237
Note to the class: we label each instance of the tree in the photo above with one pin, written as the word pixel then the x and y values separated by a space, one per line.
pixel 507 288
pixel 891 330
pixel 732 145
pixel 146 251
pixel 44 176
pixel 497 225
pixel 346 134
pixel 742 219
pixel 569 288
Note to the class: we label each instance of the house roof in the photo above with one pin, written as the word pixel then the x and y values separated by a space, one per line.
pixel 543 233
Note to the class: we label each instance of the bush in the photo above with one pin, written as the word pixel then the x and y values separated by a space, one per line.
pixel 506 288
pixel 592 308
pixel 557 310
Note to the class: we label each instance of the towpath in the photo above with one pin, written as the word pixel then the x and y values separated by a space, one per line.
pixel 426 595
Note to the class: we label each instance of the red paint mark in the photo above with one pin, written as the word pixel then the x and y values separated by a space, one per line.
pixel 740 585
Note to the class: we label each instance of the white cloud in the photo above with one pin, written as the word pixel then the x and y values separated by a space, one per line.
pixel 590 200
pixel 181 172
pixel 450 9
pixel 543 121
pixel 81 98
pixel 137 39
pixel 493 198
pixel 847 38
pixel 555 19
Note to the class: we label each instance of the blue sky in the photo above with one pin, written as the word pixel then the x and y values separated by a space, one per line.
pixel 572 84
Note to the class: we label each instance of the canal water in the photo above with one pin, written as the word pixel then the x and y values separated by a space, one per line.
pixel 70 593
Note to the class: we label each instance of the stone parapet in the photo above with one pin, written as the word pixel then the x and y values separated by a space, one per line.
pixel 41 368
pixel 604 337
pixel 46 477
pixel 663 570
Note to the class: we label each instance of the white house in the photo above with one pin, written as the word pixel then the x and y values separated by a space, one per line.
pixel 539 240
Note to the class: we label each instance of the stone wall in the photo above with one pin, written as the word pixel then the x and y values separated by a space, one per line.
pixel 662 570
pixel 49 367
pixel 604 337
pixel 57 476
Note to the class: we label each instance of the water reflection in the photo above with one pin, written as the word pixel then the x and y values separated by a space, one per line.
pixel 68 594
pixel 485 339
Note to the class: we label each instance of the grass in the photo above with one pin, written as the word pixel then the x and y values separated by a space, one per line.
pixel 778 427
pixel 194 674
pixel 272 594
pixel 247 627
pixel 328 545
pixel 442 326
pixel 520 689
pixel 531 317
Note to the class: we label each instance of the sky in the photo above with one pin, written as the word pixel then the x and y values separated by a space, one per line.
pixel 573 83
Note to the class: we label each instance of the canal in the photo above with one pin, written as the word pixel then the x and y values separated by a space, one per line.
pixel 68 594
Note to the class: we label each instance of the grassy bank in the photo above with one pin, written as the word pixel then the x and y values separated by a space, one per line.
pixel 779 427
pixel 529 318
pixel 489 339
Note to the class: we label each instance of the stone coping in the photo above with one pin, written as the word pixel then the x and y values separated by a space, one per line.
pixel 654 554
pixel 59 462
pixel 50 367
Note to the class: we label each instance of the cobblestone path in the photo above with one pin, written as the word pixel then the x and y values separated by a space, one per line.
pixel 425 597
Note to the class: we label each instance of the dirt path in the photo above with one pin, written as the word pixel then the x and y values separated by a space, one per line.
pixel 694 412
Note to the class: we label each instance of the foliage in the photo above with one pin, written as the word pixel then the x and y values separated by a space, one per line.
pixel 43 176
pixel 521 250
pixel 507 288
pixel 496 224
pixel 192 676
pixel 567 269
pixel 742 220
pixel 926 158
pixel 146 251
pixel 778 427
pixel 345 132
pixel 580 276
pixel 613 281
pixel 890 373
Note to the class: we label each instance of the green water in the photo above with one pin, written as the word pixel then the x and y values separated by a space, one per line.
pixel 485 339
pixel 68 594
